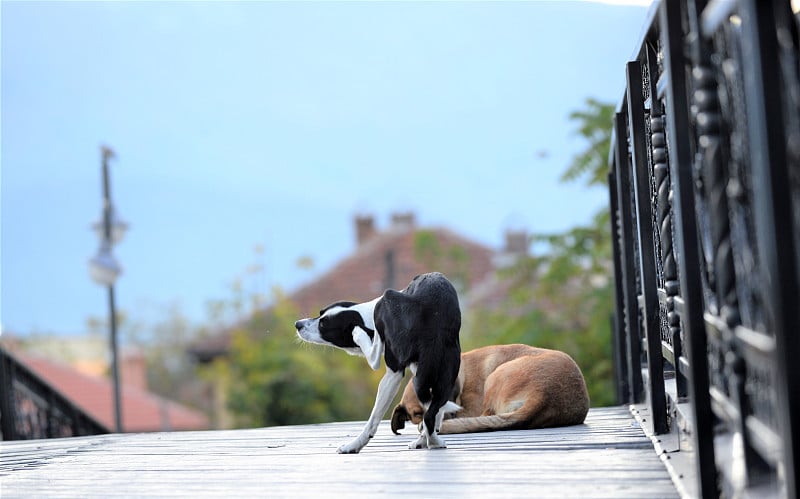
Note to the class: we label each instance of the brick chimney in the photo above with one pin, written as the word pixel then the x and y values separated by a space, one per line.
pixel 516 242
pixel 133 369
pixel 365 228
pixel 403 221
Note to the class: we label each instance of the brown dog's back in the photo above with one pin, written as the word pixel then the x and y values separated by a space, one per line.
pixel 504 387
pixel 525 387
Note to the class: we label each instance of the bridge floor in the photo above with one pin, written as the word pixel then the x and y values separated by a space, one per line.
pixel 608 456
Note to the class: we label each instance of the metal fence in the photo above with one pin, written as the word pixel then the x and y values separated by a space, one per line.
pixel 30 408
pixel 705 196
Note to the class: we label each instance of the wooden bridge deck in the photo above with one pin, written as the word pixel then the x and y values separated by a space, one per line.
pixel 608 456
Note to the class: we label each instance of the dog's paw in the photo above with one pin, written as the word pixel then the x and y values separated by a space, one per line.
pixel 434 442
pixel 351 448
pixel 420 443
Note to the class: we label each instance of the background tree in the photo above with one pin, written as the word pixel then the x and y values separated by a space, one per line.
pixel 163 342
pixel 273 378
pixel 562 298
pixel 594 125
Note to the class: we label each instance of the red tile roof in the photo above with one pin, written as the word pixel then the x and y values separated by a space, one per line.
pixel 142 411
pixel 388 259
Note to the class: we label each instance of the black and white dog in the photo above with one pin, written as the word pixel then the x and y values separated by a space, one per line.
pixel 415 328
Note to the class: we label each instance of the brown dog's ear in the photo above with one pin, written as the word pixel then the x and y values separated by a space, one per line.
pixel 399 418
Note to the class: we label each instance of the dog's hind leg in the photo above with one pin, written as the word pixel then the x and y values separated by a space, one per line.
pixel 433 388
pixel 387 389
pixel 435 409
pixel 432 422
pixel 431 440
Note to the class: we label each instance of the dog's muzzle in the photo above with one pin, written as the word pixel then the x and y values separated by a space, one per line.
pixel 301 324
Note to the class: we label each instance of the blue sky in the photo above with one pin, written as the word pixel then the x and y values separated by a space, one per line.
pixel 273 124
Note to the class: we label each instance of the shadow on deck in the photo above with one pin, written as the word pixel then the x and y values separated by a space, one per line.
pixel 608 456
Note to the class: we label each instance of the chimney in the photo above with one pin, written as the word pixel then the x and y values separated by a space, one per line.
pixel 516 242
pixel 133 370
pixel 365 228
pixel 389 278
pixel 403 221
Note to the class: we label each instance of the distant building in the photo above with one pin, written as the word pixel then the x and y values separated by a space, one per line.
pixel 389 259
pixel 142 410
pixel 382 260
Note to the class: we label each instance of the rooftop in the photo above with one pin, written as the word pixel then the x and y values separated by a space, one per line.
pixel 389 259
pixel 141 409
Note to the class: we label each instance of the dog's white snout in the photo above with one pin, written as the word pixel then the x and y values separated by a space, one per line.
pixel 300 324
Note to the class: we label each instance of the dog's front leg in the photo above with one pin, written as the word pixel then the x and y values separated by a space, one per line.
pixel 387 389
pixel 371 348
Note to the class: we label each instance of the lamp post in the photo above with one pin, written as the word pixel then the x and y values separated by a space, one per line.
pixel 104 270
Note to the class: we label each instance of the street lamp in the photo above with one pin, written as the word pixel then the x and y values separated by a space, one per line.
pixel 104 270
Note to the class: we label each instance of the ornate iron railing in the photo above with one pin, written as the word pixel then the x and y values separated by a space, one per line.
pixel 705 194
pixel 30 408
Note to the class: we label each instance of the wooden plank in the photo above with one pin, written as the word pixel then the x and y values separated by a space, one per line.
pixel 608 456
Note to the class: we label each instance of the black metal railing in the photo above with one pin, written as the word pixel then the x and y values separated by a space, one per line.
pixel 30 408
pixel 705 195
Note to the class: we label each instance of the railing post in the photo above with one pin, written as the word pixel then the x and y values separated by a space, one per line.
pixel 630 318
pixel 621 364
pixel 763 23
pixel 46 412
pixel 647 268
pixel 716 182
pixel 688 256
pixel 6 398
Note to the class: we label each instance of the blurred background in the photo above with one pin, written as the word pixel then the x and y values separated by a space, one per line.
pixel 272 157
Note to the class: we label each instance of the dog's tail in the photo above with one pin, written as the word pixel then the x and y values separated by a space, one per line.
pixel 507 421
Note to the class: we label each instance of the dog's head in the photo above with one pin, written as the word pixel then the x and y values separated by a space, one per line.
pixel 335 325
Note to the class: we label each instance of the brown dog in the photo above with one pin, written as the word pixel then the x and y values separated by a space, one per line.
pixel 508 387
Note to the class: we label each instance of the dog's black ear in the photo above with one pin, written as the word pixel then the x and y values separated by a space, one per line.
pixel 345 304
pixel 392 295
pixel 394 303
pixel 399 418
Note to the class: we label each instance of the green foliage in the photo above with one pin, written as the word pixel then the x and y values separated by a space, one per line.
pixel 563 298
pixel 594 125
pixel 560 299
pixel 451 259
pixel 277 380
pixel 427 248
pixel 553 307
pixel 169 371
